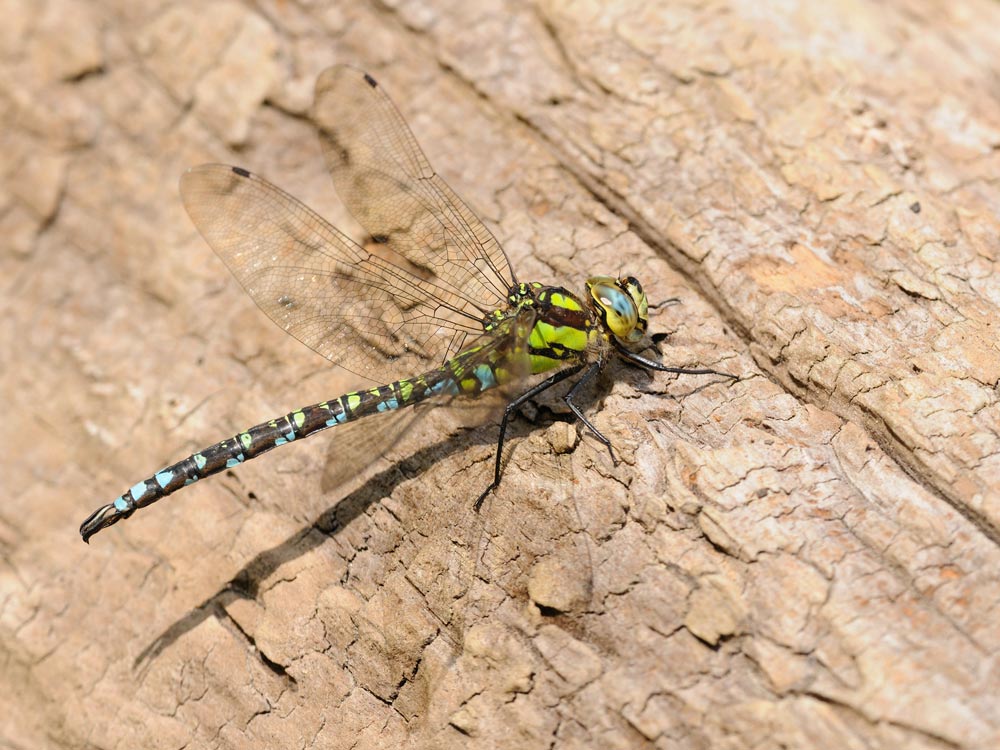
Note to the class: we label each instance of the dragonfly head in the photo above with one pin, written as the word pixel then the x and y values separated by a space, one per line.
pixel 622 306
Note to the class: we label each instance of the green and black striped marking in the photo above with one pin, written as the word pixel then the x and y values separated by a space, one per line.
pixel 441 294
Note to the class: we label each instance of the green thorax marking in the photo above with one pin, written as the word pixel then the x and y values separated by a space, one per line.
pixel 564 326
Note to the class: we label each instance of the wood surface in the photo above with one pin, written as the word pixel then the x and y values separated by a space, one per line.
pixel 807 558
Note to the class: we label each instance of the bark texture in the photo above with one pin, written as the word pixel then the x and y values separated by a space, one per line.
pixel 807 558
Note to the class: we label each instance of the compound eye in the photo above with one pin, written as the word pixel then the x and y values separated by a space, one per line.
pixel 617 308
pixel 633 288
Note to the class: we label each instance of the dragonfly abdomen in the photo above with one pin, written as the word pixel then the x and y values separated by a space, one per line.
pixel 452 379
pixel 223 455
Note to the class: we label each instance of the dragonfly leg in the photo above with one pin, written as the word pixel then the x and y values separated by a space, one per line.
pixel 664 303
pixel 510 409
pixel 662 336
pixel 568 398
pixel 649 364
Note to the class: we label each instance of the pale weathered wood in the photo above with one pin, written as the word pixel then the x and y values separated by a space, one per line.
pixel 807 558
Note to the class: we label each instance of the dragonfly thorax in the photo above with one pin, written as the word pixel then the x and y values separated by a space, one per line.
pixel 563 327
pixel 621 306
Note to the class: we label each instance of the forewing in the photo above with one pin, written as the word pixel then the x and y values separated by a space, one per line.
pixel 355 308
pixel 389 186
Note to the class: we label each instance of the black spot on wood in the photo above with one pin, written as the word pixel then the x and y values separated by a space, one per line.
pixel 241 171
pixel 915 207
pixel 370 81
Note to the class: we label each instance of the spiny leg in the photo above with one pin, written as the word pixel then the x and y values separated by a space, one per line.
pixel 510 409
pixel 664 303
pixel 568 398
pixel 660 336
pixel 649 364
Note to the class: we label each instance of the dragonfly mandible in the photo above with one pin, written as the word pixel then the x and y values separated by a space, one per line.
pixel 436 296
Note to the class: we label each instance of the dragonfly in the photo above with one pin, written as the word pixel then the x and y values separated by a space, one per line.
pixel 433 293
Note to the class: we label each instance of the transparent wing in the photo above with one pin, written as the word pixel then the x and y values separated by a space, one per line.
pixel 388 185
pixel 357 309
pixel 357 445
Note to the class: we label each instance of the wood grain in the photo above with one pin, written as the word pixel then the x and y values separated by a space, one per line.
pixel 807 558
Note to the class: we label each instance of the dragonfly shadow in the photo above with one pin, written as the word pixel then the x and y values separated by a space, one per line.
pixel 330 522
pixel 338 516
